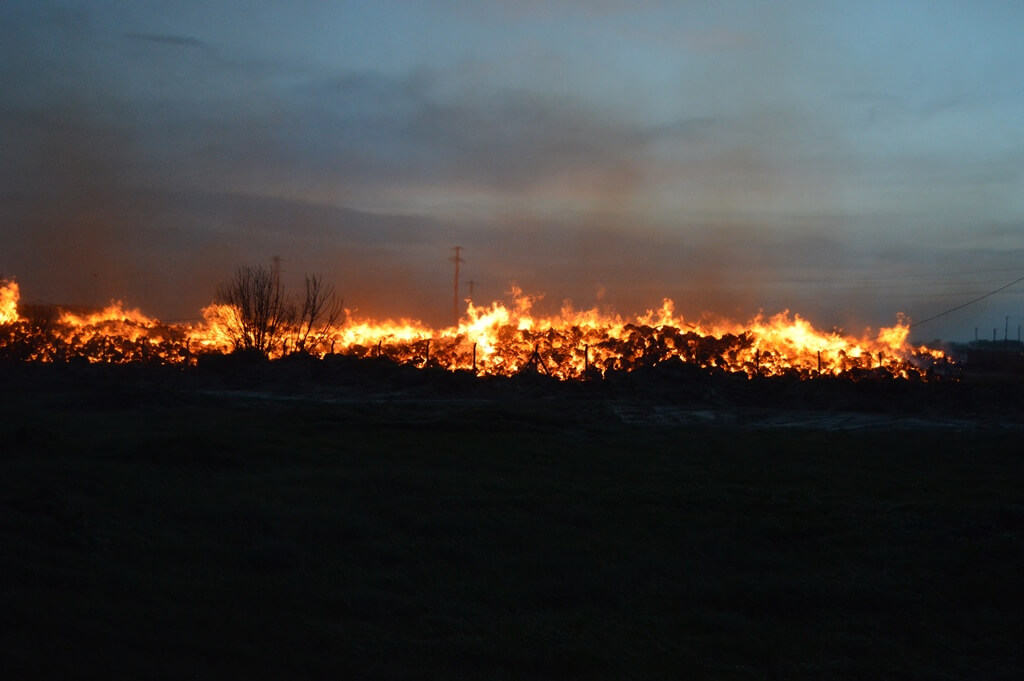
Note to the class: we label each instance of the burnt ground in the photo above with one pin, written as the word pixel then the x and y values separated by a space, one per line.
pixel 327 519
pixel 669 394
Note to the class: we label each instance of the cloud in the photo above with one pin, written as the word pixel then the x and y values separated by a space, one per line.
pixel 168 39
pixel 417 129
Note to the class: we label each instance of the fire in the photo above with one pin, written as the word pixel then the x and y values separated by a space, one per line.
pixel 213 334
pixel 8 302
pixel 493 339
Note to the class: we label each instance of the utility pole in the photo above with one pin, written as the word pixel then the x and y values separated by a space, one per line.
pixel 455 301
pixel 472 284
pixel 275 268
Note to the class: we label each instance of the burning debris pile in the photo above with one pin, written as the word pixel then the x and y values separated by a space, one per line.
pixel 495 340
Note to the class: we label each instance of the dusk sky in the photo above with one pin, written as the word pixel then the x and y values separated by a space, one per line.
pixel 844 160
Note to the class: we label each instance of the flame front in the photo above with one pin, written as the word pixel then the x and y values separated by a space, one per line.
pixel 496 339
pixel 8 302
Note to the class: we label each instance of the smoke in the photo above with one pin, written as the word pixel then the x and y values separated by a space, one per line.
pixel 729 164
pixel 69 210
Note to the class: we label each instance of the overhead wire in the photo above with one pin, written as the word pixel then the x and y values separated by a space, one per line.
pixel 970 302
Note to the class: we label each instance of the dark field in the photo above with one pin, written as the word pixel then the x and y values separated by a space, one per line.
pixel 202 532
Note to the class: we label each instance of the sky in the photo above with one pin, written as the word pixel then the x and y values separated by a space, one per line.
pixel 846 161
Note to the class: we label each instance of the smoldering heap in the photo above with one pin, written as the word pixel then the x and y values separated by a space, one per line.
pixel 496 340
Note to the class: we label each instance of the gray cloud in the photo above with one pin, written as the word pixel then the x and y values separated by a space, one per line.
pixel 167 39
pixel 500 139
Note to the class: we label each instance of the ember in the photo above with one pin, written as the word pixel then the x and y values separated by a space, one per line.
pixel 498 339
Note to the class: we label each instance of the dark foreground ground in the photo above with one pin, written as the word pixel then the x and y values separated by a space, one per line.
pixel 208 529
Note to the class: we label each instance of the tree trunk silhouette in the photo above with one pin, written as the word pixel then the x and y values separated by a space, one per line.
pixel 263 313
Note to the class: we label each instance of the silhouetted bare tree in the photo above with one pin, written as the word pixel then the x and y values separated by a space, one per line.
pixel 263 313
pixel 321 311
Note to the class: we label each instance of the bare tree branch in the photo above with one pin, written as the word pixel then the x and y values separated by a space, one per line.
pixel 320 313
pixel 263 312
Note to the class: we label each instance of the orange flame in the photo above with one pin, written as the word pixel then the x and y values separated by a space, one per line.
pixel 8 302
pixel 495 339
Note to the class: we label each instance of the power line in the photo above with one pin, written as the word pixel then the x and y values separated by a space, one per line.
pixel 970 302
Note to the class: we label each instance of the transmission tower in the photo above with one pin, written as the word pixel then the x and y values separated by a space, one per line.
pixel 455 301
pixel 275 268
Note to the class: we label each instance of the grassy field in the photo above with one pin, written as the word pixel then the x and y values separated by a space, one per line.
pixel 222 538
